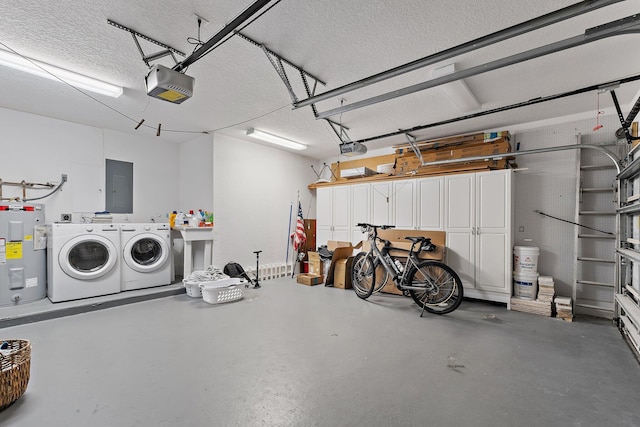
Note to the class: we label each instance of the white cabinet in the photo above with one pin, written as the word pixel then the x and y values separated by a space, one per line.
pixel 333 221
pixel 478 216
pixel 474 209
pixel 430 199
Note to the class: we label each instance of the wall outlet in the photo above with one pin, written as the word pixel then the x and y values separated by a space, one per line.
pixel 521 229
pixel 65 217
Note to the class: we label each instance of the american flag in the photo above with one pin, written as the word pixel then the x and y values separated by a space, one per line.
pixel 299 237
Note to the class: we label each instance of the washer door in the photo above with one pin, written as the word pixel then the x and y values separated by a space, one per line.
pixel 146 252
pixel 88 257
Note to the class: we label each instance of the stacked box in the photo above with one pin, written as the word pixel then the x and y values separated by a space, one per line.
pixel 546 289
pixel 564 308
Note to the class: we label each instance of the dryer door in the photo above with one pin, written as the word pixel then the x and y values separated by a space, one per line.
pixel 146 252
pixel 88 257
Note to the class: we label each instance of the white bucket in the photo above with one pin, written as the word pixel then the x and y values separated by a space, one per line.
pixel 525 285
pixel 525 259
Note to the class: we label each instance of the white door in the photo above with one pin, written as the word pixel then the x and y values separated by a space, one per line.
pixel 460 226
pixel 381 203
pixel 430 198
pixel 341 209
pixel 360 211
pixel 493 228
pixel 404 204
pixel 324 215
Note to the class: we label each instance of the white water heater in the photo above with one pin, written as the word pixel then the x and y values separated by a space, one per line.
pixel 23 257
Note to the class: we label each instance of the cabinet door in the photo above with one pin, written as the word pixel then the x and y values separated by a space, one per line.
pixel 493 231
pixel 493 262
pixel 341 204
pixel 430 196
pixel 360 211
pixel 459 202
pixel 404 204
pixel 381 203
pixel 324 208
pixel 492 200
pixel 460 256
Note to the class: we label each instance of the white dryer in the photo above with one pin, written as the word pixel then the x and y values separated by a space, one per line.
pixel 146 255
pixel 83 260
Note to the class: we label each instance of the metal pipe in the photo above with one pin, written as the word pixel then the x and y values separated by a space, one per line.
pixel 606 152
pixel 204 49
pixel 498 36
pixel 628 25
pixel 500 109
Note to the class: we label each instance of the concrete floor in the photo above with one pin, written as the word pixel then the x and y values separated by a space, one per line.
pixel 292 355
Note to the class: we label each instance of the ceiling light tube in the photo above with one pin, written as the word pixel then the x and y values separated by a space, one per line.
pixel 264 136
pixel 52 72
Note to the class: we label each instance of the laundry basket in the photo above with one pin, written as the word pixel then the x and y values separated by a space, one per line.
pixel 192 287
pixel 15 365
pixel 220 291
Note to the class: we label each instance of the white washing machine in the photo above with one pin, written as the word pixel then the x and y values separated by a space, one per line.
pixel 83 260
pixel 146 255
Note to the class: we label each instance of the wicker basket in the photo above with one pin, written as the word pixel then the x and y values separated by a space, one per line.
pixel 15 365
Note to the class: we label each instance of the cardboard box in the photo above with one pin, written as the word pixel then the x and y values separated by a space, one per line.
pixel 310 279
pixel 315 263
pixel 398 239
pixel 342 273
pixel 339 253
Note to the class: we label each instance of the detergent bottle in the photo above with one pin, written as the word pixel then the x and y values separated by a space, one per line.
pixel 193 219
pixel 172 219
pixel 180 218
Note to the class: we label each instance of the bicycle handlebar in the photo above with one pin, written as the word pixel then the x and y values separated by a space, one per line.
pixel 382 227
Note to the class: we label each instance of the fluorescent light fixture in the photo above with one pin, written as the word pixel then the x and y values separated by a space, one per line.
pixel 52 72
pixel 274 139
pixel 457 91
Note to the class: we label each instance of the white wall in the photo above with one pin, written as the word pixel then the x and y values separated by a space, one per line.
pixel 254 188
pixel 155 174
pixel 40 149
pixel 549 185
pixel 196 174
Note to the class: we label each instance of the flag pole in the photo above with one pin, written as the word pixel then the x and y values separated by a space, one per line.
pixel 296 251
pixel 286 258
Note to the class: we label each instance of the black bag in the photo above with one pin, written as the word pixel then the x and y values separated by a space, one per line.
pixel 233 269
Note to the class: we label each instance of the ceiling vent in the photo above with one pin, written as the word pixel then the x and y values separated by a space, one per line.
pixel 169 85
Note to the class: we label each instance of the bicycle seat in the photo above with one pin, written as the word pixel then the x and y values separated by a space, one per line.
pixel 417 239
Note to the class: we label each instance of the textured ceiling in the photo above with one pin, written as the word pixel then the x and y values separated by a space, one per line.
pixel 339 42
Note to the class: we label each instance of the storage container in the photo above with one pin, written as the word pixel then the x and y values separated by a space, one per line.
pixel 15 365
pixel 220 291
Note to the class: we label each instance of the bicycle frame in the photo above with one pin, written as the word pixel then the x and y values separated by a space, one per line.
pixel 381 256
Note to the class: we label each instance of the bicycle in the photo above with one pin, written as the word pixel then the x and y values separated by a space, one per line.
pixel 433 285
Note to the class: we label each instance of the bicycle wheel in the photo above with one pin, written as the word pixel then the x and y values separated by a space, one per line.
pixel 443 290
pixel 363 275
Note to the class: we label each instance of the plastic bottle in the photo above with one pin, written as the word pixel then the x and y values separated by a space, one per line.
pixel 399 265
pixel 193 219
pixel 180 218
pixel 172 219
pixel 201 218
